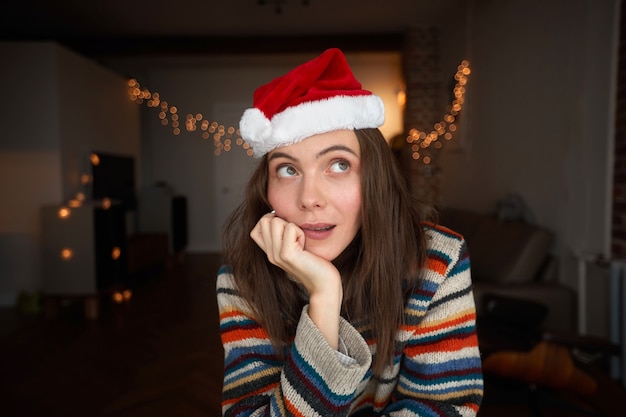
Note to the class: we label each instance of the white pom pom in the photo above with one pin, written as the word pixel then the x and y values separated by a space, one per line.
pixel 256 130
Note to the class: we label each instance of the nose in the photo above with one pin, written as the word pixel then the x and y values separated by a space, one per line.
pixel 312 194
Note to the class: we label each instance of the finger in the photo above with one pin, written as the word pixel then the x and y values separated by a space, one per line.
pixel 277 231
pixel 257 232
pixel 257 235
pixel 294 236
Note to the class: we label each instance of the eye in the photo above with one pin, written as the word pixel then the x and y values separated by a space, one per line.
pixel 340 166
pixel 286 171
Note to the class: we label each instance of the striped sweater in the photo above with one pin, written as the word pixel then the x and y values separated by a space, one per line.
pixel 436 372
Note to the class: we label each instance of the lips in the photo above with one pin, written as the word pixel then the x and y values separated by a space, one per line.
pixel 317 231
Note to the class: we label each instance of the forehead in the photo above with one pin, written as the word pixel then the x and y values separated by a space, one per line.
pixel 312 145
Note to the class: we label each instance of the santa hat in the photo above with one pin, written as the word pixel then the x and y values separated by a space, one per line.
pixel 318 96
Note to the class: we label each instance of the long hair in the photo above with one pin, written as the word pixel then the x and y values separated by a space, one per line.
pixel 378 268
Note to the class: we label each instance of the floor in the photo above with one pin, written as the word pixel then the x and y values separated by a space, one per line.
pixel 157 355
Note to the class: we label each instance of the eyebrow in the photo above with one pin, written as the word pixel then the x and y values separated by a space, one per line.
pixel 318 155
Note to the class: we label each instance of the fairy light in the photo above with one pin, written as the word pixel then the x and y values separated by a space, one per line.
pixel 192 122
pixel 64 213
pixel 67 254
pixel 117 297
pixel 225 137
pixel 95 159
pixel 446 127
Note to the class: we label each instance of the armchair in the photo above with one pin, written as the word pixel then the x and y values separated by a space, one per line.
pixel 512 258
pixel 526 323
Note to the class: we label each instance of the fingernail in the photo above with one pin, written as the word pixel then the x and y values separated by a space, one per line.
pixel 273 212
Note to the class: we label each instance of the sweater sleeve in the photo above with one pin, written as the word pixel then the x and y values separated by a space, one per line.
pixel 311 379
pixel 440 368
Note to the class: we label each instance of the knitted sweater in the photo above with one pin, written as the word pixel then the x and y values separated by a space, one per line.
pixel 436 372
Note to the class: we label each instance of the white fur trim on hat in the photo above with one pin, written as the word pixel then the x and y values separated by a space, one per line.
pixel 310 118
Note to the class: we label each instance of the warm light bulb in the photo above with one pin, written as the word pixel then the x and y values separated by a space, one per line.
pixel 401 98
pixel 64 213
pixel 117 297
pixel 106 203
pixel 115 253
pixel 95 159
pixel 127 294
pixel 74 203
pixel 66 254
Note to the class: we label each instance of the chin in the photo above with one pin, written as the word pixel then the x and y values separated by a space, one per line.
pixel 328 254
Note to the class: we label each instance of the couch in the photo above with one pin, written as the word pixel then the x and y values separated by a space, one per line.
pixel 512 259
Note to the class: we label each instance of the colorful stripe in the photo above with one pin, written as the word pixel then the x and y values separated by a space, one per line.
pixel 437 370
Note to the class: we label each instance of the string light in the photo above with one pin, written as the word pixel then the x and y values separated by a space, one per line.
pixel 66 254
pixel 225 136
pixel 446 127
pixel 64 213
pixel 117 297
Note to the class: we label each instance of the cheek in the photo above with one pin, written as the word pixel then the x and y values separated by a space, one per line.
pixel 349 201
pixel 272 196
pixel 276 197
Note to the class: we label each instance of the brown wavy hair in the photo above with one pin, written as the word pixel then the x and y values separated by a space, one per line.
pixel 378 268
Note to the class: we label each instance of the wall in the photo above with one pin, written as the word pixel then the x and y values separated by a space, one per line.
pixel 541 102
pixel 95 114
pixel 54 110
pixel 29 160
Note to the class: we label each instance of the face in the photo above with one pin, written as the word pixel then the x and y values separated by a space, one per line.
pixel 316 184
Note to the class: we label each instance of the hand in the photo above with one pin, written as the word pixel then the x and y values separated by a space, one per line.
pixel 283 243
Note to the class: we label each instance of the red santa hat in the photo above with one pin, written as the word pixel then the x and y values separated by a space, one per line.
pixel 318 96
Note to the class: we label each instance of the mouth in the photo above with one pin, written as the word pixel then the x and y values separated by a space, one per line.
pixel 317 232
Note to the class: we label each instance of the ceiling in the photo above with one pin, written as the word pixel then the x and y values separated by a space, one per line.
pixel 118 27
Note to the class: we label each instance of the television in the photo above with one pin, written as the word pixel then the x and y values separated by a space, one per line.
pixel 113 177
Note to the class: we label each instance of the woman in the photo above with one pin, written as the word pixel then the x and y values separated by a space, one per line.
pixel 338 297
